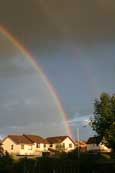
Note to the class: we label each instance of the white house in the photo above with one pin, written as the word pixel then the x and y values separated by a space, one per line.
pixel 94 144
pixel 25 145
pixel 40 145
pixel 61 143
pixel 17 144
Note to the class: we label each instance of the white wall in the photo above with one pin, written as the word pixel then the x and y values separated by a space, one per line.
pixel 100 147
pixel 91 147
pixel 68 142
pixel 28 150
pixel 65 143
pixel 104 148
pixel 7 146
pixel 40 149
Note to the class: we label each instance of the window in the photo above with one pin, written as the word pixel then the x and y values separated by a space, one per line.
pixel 22 146
pixel 30 147
pixel 12 147
pixel 70 145
pixel 44 145
pixel 37 145
pixel 51 145
pixel 63 145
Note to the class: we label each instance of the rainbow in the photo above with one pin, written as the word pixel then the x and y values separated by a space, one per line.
pixel 40 70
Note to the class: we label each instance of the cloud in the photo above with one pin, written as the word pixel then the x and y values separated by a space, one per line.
pixel 41 128
pixel 28 101
pixel 10 104
pixel 82 120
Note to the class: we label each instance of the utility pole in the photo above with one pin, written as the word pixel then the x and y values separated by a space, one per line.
pixel 78 153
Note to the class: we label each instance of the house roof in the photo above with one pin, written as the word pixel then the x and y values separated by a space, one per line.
pixel 35 139
pixel 57 139
pixel 19 139
pixel 81 143
pixel 94 140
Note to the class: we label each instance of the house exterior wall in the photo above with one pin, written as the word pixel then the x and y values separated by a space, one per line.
pixel 56 146
pixel 103 148
pixel 40 149
pixel 69 145
pixel 66 145
pixel 91 147
pixel 27 150
pixel 7 146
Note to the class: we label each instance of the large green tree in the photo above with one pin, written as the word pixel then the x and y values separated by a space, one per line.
pixel 103 121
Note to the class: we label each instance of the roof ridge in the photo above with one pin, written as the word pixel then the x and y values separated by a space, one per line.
pixel 19 139
pixel 27 137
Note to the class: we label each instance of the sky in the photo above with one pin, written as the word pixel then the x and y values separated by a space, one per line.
pixel 73 41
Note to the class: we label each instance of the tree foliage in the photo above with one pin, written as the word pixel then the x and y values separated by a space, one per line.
pixel 104 119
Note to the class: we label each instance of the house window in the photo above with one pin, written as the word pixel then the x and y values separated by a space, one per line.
pixel 70 145
pixel 30 148
pixel 37 145
pixel 12 147
pixel 63 145
pixel 22 146
pixel 44 145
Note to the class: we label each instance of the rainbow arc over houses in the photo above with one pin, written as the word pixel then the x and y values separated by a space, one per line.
pixel 27 54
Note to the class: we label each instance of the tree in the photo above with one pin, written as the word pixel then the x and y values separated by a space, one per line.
pixel 103 121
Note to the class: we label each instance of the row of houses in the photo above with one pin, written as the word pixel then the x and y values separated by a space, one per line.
pixel 28 144
pixel 34 145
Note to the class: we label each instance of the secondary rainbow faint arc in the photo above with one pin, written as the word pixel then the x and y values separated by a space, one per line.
pixel 38 68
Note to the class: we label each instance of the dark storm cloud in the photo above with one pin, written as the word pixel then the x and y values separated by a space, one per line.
pixel 38 21
pixel 74 42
